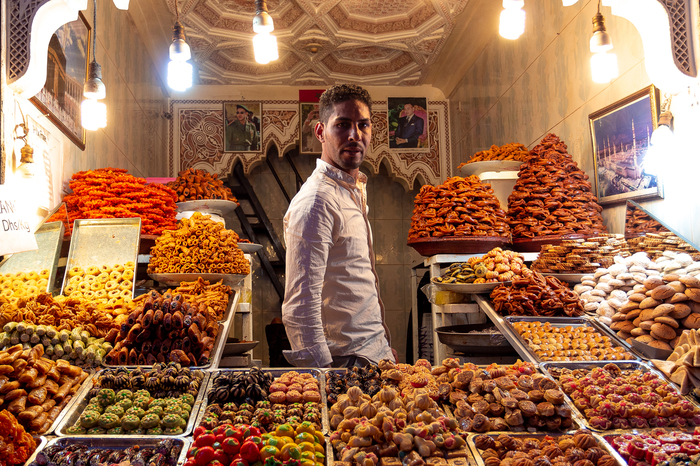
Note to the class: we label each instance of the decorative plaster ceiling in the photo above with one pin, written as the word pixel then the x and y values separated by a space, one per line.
pixel 321 42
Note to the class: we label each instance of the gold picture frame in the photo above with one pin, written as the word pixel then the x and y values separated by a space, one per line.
pixel 620 135
pixel 62 94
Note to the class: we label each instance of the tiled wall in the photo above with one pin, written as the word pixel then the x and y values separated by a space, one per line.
pixel 390 209
pixel 541 83
pixel 135 137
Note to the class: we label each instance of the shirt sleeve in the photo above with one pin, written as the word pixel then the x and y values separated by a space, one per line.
pixel 309 233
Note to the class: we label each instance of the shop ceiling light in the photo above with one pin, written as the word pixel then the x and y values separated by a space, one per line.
pixel 603 64
pixel 512 23
pixel 179 68
pixel 569 2
pixel 93 114
pixel 264 43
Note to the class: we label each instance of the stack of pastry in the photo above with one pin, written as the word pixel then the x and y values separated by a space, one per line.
pixel 193 184
pixel 459 207
pixel 552 196
pixel 580 256
pixel 510 151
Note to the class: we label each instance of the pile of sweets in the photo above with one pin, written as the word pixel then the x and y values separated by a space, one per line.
pixel 459 207
pixel 552 196
pixel 193 184
pixel 579 255
pixel 113 193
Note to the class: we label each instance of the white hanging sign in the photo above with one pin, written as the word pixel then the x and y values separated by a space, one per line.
pixel 15 230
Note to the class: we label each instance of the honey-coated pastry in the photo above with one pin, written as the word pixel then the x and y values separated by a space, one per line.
pixel 552 196
pixel 193 184
pixel 198 245
pixel 458 207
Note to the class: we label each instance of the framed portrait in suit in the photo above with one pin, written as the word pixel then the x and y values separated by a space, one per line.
pixel 408 124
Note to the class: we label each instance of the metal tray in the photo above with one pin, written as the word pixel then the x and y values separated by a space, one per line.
pixel 318 374
pixel 79 406
pixel 49 238
pixel 477 168
pixel 601 443
pixel 208 206
pixel 575 421
pixel 625 365
pixel 561 322
pixel 74 399
pixel 41 443
pixel 104 241
pixel 507 331
pixel 458 338
pixel 469 287
pixel 174 279
pixel 114 442
pixel 216 350
pixel 249 248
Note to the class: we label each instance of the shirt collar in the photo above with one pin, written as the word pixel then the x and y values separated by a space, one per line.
pixel 339 175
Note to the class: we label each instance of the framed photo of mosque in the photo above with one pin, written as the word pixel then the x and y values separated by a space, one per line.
pixel 408 124
pixel 624 163
pixel 66 72
pixel 242 126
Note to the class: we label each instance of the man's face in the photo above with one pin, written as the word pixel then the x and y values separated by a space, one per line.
pixel 408 110
pixel 250 116
pixel 346 136
pixel 241 115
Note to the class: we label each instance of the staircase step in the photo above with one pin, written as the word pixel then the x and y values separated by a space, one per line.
pixel 277 263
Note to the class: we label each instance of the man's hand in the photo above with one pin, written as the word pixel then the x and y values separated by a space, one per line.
pixel 396 355
pixel 401 141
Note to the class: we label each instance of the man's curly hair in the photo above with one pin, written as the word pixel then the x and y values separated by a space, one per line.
pixel 341 93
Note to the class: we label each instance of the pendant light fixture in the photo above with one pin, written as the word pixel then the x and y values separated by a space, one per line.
pixel 603 64
pixel 264 43
pixel 512 23
pixel 564 2
pixel 93 114
pixel 179 69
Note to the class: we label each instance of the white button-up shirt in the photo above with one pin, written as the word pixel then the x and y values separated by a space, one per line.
pixel 331 304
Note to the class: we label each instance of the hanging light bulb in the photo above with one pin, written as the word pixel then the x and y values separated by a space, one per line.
pixel 179 69
pixel 121 4
pixel 264 43
pixel 661 142
pixel 512 23
pixel 569 2
pixel 93 114
pixel 603 64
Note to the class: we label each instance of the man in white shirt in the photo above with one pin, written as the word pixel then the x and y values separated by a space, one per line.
pixel 332 311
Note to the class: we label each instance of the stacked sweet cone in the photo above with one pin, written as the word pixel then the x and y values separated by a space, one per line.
pixel 552 196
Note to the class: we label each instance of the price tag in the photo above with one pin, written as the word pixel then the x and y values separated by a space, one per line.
pixel 15 230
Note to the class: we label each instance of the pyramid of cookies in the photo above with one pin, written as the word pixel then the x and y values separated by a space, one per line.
pixel 459 207
pixel 552 196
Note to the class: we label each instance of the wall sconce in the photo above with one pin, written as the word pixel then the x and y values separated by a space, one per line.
pixel 603 64
pixel 264 43
pixel 512 24
pixel 179 69
pixel 26 160
pixel 662 140
pixel 93 114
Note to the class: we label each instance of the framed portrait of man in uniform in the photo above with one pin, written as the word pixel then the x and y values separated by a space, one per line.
pixel 309 117
pixel 242 126
pixel 408 124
